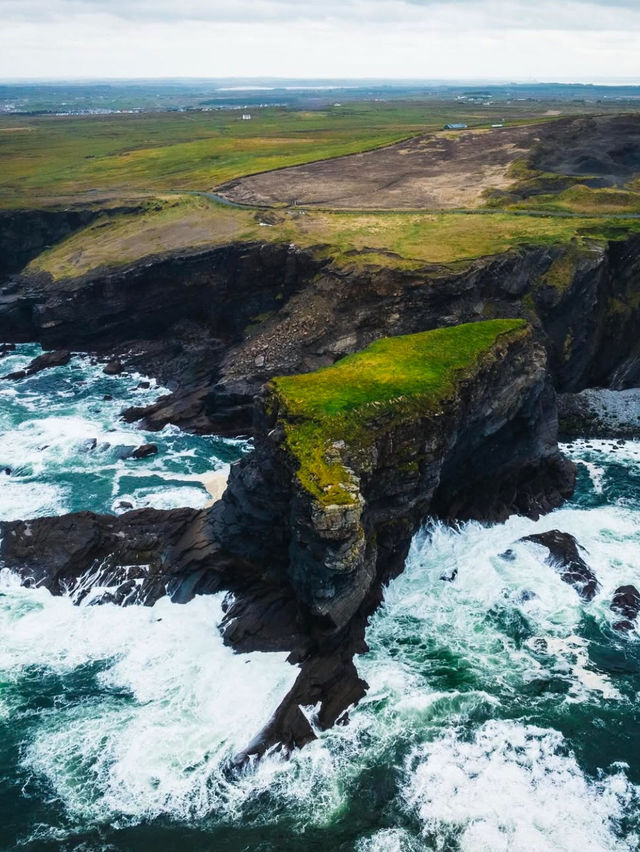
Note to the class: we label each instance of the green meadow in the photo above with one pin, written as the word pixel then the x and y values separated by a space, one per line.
pixel 398 240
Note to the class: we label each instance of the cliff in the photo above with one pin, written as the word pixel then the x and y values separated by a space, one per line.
pixel 218 323
pixel 24 234
pixel 458 422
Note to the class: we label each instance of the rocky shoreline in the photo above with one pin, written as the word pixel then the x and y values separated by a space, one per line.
pixel 303 574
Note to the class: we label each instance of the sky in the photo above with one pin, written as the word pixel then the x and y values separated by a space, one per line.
pixel 574 41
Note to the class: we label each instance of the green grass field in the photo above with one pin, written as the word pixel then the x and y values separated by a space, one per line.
pixel 49 158
pixel 395 240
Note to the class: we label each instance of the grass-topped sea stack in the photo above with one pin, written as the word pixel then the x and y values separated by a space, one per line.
pixel 459 422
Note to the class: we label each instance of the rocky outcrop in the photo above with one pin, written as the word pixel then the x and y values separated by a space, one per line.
pixel 137 557
pixel 565 557
pixel 489 449
pixel 472 435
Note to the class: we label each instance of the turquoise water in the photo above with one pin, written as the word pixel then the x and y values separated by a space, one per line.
pixel 502 710
pixel 65 444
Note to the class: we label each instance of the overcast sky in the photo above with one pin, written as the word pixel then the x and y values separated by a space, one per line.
pixel 585 40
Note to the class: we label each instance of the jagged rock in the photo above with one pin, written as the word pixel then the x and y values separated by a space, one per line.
pixel 113 368
pixel 565 556
pixel 626 603
pixel 144 451
pixel 58 358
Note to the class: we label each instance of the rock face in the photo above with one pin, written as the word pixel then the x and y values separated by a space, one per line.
pixel 217 324
pixel 565 557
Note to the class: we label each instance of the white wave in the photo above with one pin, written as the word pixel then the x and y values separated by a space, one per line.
pixel 21 500
pixel 172 705
pixel 514 788
pixel 61 442
pixel 65 425
pixel 465 616
pixel 389 840
pixel 169 497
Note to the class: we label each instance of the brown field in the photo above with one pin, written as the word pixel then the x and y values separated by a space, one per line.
pixel 450 170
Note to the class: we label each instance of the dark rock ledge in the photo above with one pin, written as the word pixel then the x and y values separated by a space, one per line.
pixel 564 555
pixel 304 560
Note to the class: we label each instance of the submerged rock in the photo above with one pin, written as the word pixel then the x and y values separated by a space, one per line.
pixel 565 556
pixel 58 358
pixel 626 602
pixel 144 451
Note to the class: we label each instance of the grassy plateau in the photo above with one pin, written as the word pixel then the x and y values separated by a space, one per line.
pixel 394 240
pixel 351 401
pixel 82 157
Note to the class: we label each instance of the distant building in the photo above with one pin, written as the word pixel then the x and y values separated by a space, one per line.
pixel 246 116
pixel 456 126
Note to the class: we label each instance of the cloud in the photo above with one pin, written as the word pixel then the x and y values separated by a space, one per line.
pixel 429 39
pixel 507 14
